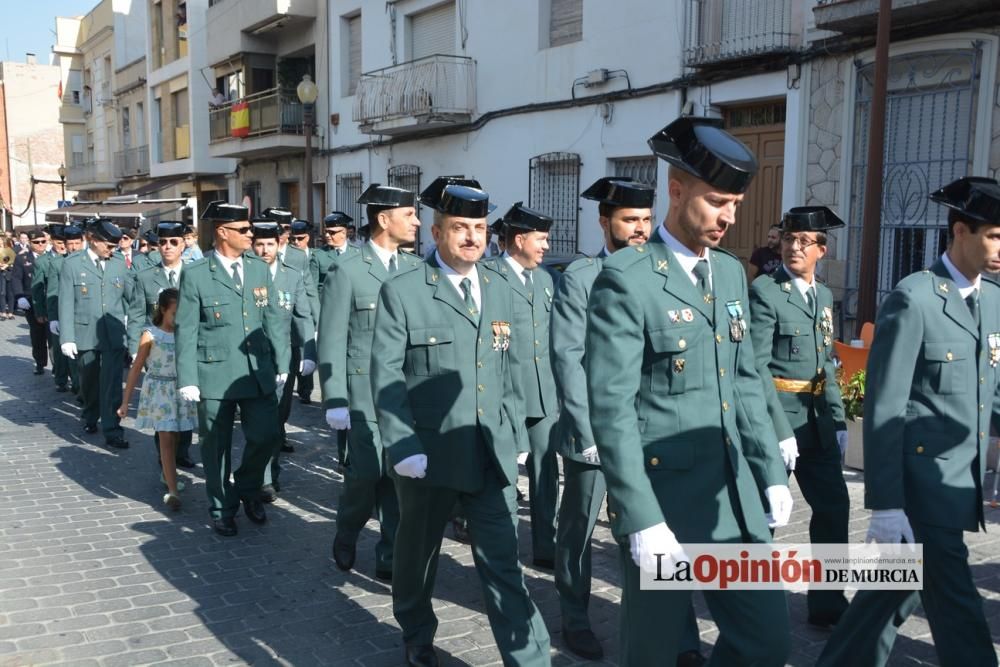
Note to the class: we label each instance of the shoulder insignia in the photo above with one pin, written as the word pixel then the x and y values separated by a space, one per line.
pixel 786 286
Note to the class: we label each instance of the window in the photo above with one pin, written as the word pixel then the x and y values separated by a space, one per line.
pixel 642 169
pixel 407 176
pixel 181 112
pixel 126 129
pixel 140 124
pixel 351 53
pixel 929 140
pixel 554 189
pixel 79 157
pixel 106 81
pixel 74 87
pixel 564 21
pixel 432 32
pixel 90 147
pixel 288 197
pixel 348 191
pixel 251 191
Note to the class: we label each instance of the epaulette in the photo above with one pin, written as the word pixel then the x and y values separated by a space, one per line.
pixel 626 257
pixel 580 263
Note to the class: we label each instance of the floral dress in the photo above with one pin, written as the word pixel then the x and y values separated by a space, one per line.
pixel 160 406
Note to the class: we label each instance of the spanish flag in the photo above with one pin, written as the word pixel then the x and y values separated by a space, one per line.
pixel 239 120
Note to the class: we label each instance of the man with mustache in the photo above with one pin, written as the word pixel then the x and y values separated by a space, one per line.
pixel 447 414
pixel 677 408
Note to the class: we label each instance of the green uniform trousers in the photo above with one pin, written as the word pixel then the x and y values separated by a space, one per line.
pixel 360 496
pixel 63 368
pixel 584 491
pixel 259 418
pixel 284 412
pixel 517 625
pixel 101 388
pixel 821 480
pixel 543 485
pixel 952 604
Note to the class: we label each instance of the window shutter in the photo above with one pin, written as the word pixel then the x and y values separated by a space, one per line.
pixel 433 32
pixel 565 21
pixel 353 53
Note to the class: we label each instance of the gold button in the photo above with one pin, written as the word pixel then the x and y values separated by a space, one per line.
pixel 819 370
pixel 209 357
pixel 682 343
pixel 247 329
pixel 479 411
pixel 654 461
pixel 981 435
pixel 728 440
pixel 949 356
pixel 479 364
pixel 980 407
pixel 612 516
pixel 725 406
pixel 722 372
pixel 718 338
pixel 371 305
pixel 538 358
pixel 479 341
pixel 244 313
pixel 536 324
pixel 920 449
pixel 481 388
pixel 357 370
pixel 432 339
pixel 796 332
pixel 982 380
pixel 819 349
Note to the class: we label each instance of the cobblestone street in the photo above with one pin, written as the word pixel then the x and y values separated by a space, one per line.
pixel 95 571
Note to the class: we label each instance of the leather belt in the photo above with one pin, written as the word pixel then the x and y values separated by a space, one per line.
pixel 800 386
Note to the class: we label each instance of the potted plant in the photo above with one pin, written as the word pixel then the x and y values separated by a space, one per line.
pixel 852 390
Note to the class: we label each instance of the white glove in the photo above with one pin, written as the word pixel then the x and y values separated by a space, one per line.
pixel 522 458
pixel 279 381
pixel 889 527
pixel 339 419
pixel 780 500
pixel 591 456
pixel 191 393
pixel 789 452
pixel 842 442
pixel 412 466
pixel 307 367
pixel 68 350
pixel 22 303
pixel 658 539
pixel 54 327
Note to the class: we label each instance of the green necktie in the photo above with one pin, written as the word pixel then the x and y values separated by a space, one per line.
pixel 392 265
pixel 701 274
pixel 172 278
pixel 972 301
pixel 100 265
pixel 470 303
pixel 236 276
pixel 811 300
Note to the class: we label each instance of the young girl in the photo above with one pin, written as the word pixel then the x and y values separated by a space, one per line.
pixel 160 407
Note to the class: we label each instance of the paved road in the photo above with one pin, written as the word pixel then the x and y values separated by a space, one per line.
pixel 94 571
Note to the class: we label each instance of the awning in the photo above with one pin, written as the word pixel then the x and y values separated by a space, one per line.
pixel 130 213
pixel 157 185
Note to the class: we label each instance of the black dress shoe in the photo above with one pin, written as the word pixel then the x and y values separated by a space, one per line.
pixel 460 528
pixel 583 643
pixel 39 370
pixel 690 659
pixel 285 447
pixel 383 575
pixel 225 527
pixel 824 621
pixel 255 510
pixel 268 494
pixel 185 461
pixel 61 388
pixel 117 442
pixel 305 400
pixel 89 428
pixel 343 553
pixel 544 564
pixel 421 656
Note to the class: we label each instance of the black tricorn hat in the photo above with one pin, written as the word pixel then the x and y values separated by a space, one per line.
pixel 301 226
pixel 169 229
pixel 497 227
pixel 338 219
pixel 221 212
pixel 72 232
pixel 810 219
pixel 266 230
pixel 57 232
pixel 282 216
pixel 974 197
pixel 105 230
pixel 702 148
pixel 522 218
pixel 388 196
pixel 620 191
pixel 151 237
pixel 462 197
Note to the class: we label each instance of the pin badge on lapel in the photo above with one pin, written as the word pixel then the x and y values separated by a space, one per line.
pixel 679 365
pixel 674 316
pixel 687 315
pixel 787 287
pixel 83 289
pixel 943 287
pixel 117 282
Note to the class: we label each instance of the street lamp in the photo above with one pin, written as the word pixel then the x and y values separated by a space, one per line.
pixel 307 93
pixel 62 181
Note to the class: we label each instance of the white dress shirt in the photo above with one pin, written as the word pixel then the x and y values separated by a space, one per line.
pixel 383 255
pixel 454 277
pixel 965 286
pixel 516 266
pixel 685 256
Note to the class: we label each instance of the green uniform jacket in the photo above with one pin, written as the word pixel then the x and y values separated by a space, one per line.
pixel 931 388
pixel 230 345
pixel 792 343
pixel 52 271
pixel 569 337
pixel 149 282
pixel 433 389
pixel 296 309
pixel 534 386
pixel 347 325
pixel 93 307
pixel 297 259
pixel 43 269
pixel 320 261
pixel 154 257
pixel 674 401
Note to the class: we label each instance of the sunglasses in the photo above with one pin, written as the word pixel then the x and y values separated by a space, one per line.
pixel 240 230
pixel 303 237
pixel 170 242
pixel 334 232
pixel 38 242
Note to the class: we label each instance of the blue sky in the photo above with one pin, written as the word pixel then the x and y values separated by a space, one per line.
pixel 29 25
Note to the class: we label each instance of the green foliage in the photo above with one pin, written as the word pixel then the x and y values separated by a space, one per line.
pixel 852 390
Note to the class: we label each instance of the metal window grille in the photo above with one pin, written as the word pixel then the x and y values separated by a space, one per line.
pixel 348 191
pixel 252 191
pixel 642 169
pixel 407 176
pixel 930 126
pixel 554 189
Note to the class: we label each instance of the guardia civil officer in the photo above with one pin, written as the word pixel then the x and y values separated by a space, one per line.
pixel 62 366
pixel 442 384
pixel 345 358
pixel 930 398
pixel 40 277
pixel 526 234
pixel 335 228
pixel 232 350
pixel 297 254
pixel 791 322
pixel 149 282
pixel 20 282
pixel 677 407
pixel 95 290
pixel 296 312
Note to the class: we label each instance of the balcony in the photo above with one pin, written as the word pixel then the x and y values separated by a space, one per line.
pixel 860 17
pixel 254 26
pixel 722 31
pixel 132 162
pixel 436 91
pixel 88 176
pixel 276 127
